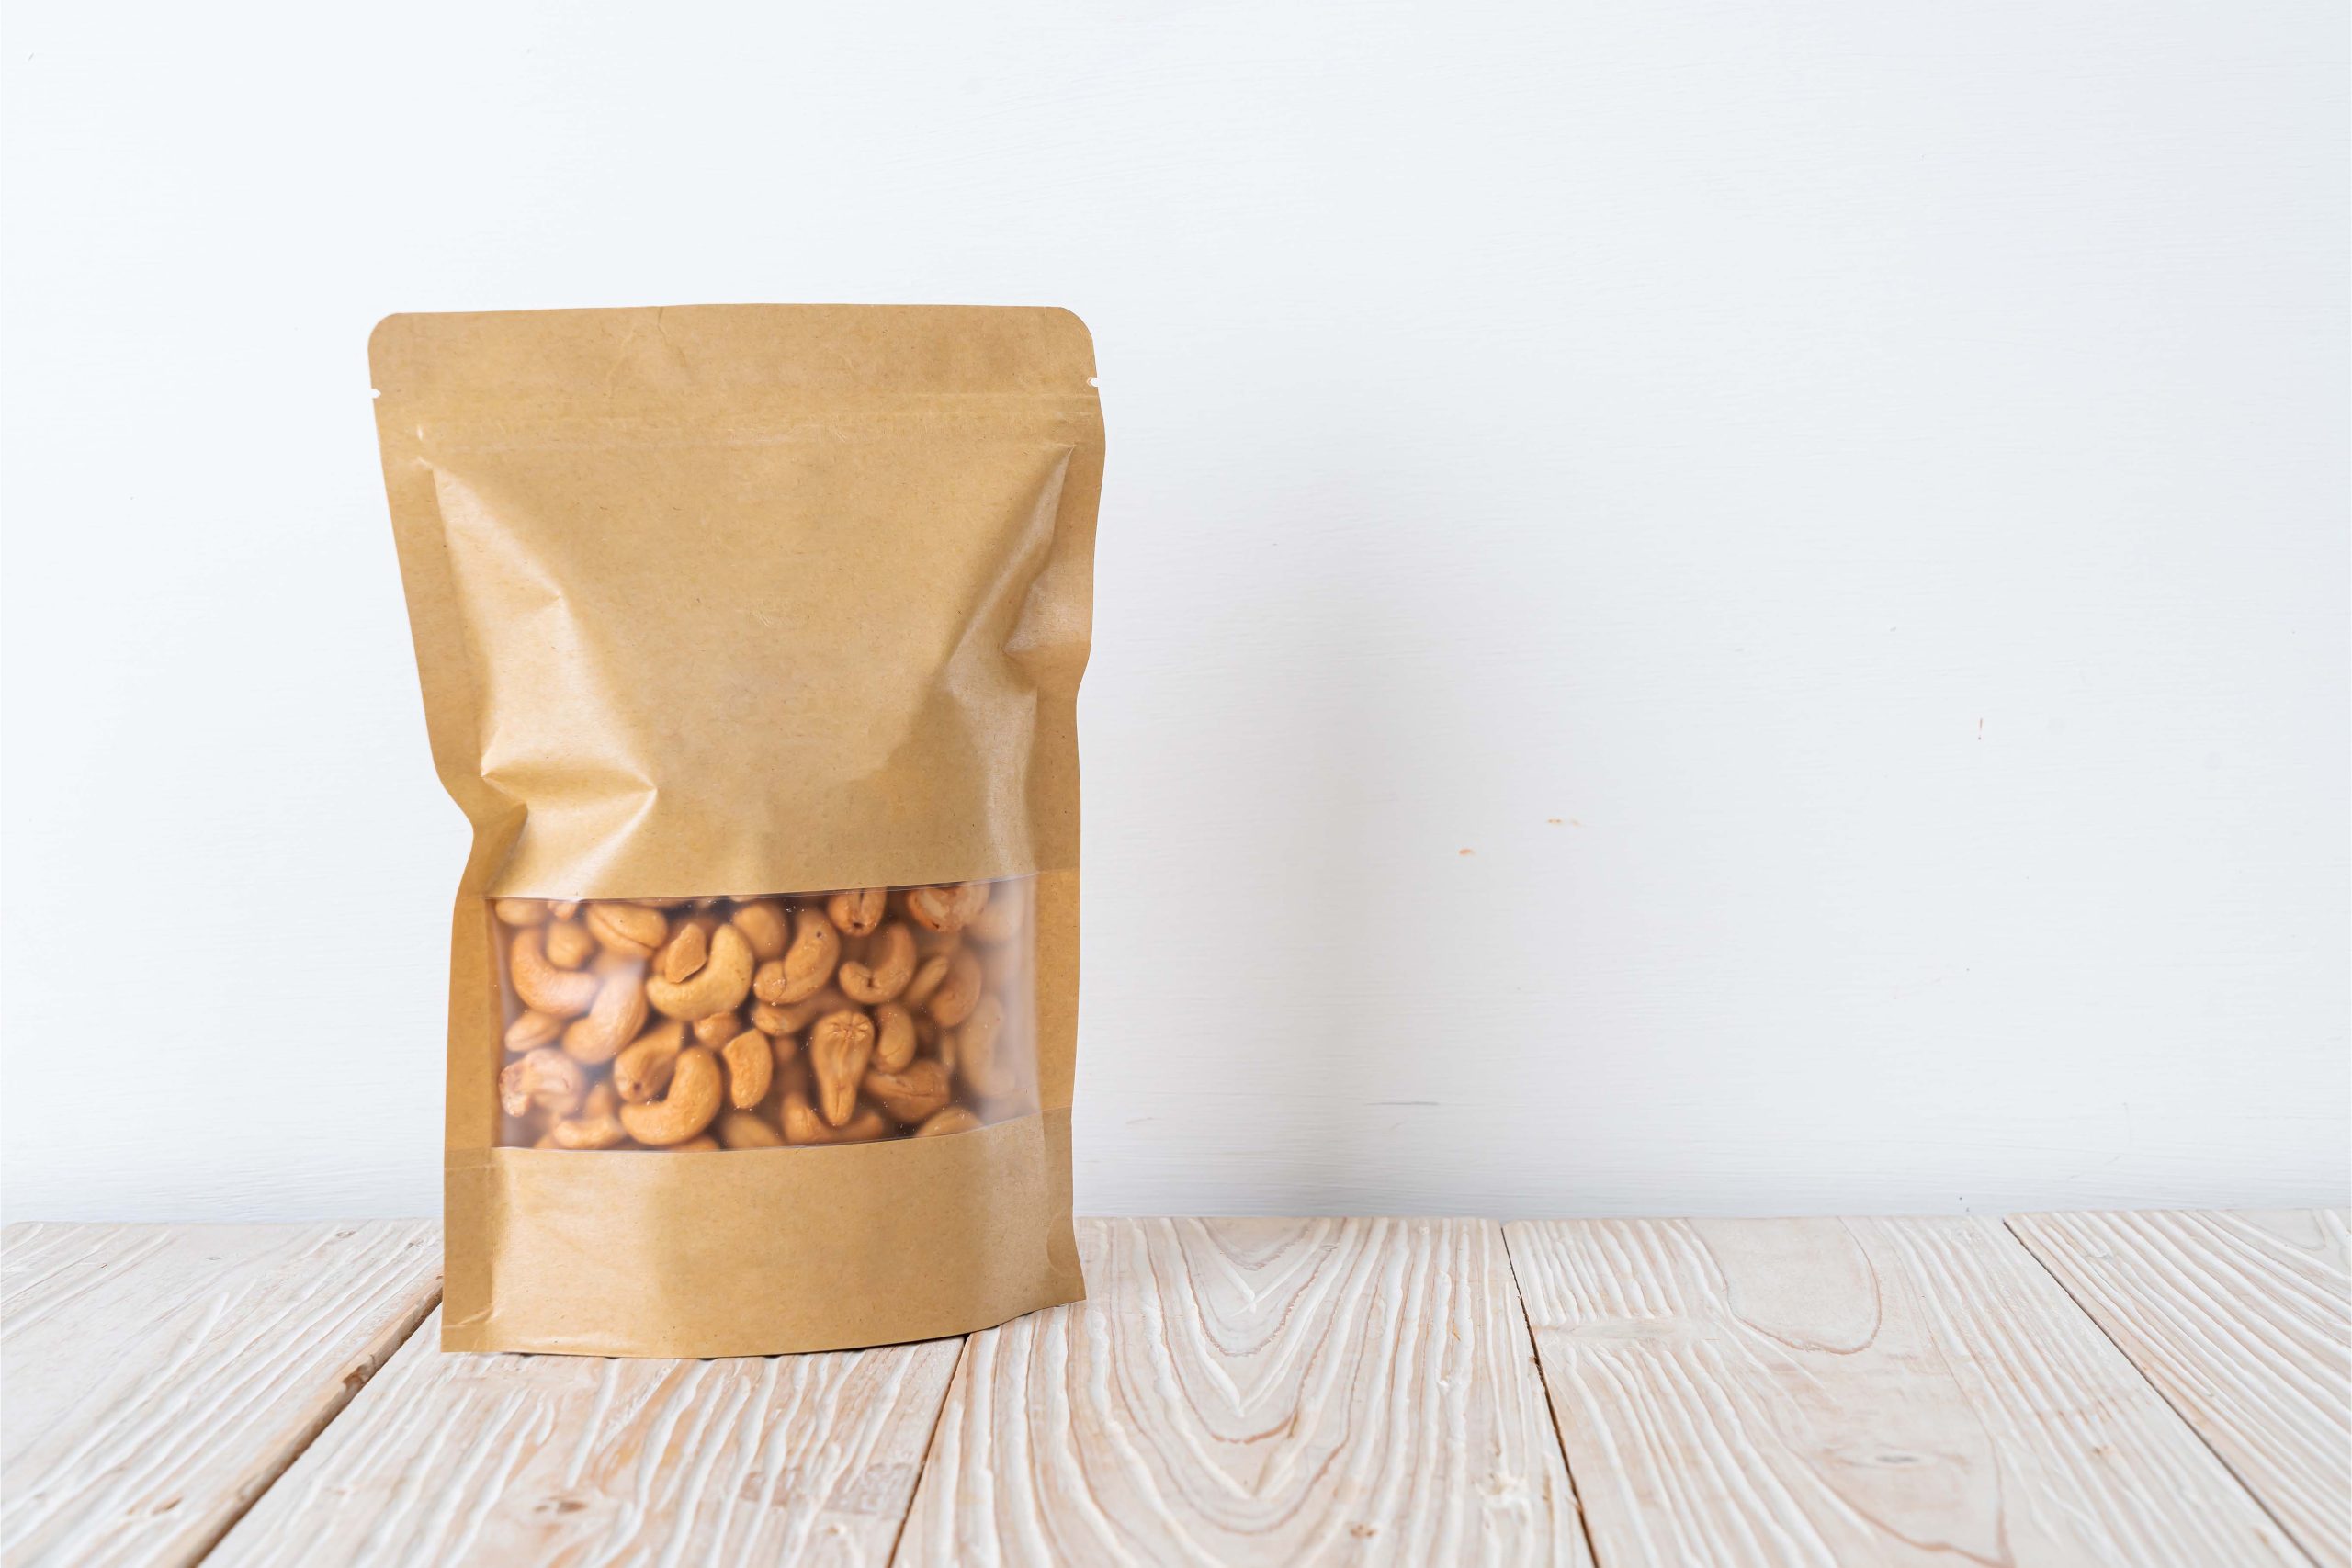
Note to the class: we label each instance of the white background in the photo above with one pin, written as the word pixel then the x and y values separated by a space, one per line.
pixel 1701 608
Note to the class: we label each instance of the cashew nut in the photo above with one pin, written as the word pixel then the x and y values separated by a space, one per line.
pixel 928 942
pixel 958 990
pixel 704 1145
pixel 895 1038
pixel 532 1029
pixel 742 1129
pixel 912 1095
pixel 568 945
pixel 628 928
pixel 687 1108
pixel 886 969
pixel 564 909
pixel 944 1123
pixel 683 954
pixel 642 1071
pixel 972 1053
pixel 750 1065
pixel 596 1127
pixel 546 1078
pixel 1003 918
pixel 947 908
pixel 563 993
pixel 719 985
pixel 840 1047
pixel 806 965
pixel 789 1020
pixel 927 980
pixel 518 911
pixel 858 912
pixel 763 926
pixel 803 1125
pixel 611 1023
pixel 716 1030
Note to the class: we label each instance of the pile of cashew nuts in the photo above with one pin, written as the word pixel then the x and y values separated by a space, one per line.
pixel 759 1022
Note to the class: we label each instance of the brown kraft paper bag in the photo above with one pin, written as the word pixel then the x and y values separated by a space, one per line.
pixel 751 638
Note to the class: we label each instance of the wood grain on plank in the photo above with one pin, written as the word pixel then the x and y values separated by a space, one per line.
pixel 1898 1392
pixel 492 1458
pixel 2243 1321
pixel 159 1377
pixel 1256 1392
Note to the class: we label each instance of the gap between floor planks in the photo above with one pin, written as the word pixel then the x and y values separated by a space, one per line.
pixel 160 1378
pixel 2268 1388
pixel 1138 1425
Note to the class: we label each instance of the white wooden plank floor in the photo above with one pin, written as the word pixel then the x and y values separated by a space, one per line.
pixel 1256 1391
pixel 1234 1391
pixel 2240 1320
pixel 450 1458
pixel 1858 1390
pixel 155 1379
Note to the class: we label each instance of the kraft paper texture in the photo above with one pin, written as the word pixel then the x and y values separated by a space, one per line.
pixel 745 600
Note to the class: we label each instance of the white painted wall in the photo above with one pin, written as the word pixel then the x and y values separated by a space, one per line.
pixel 1718 608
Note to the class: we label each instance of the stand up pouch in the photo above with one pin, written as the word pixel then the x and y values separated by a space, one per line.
pixel 751 638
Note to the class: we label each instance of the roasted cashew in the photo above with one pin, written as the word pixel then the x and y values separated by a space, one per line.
pixel 568 945
pixel 840 1047
pixel 716 1030
pixel 642 1071
pixel 803 1125
pixel 687 1108
pixel 859 911
pixel 912 1095
pixel 750 1065
pixel 895 1038
pixel 783 1022
pixel 533 1030
pixel 928 978
pixel 611 1023
pixel 806 965
pixel 596 1127
pixel 972 1051
pixel 1003 920
pixel 628 928
pixel 685 950
pixel 518 911
pixel 564 909
pixel 561 993
pixel 954 1119
pixel 719 985
pixel 545 1077
pixel 929 942
pixel 763 926
pixel 949 908
pixel 703 1145
pixel 742 1129
pixel 950 1003
pixel 886 969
